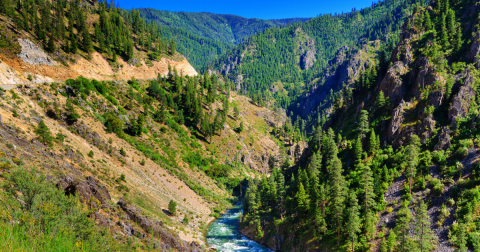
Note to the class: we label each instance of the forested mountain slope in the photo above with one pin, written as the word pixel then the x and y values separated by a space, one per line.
pixel 202 37
pixel 395 166
pixel 281 64
pixel 230 29
pixel 110 140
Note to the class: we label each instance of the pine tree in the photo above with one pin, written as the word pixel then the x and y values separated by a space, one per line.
pixel 363 123
pixel 403 228
pixel 425 238
pixel 87 41
pixel 444 33
pixel 462 238
pixel 302 201
pixel 411 155
pixel 392 241
pixel 428 21
pixel 281 193
pixel 380 101
pixel 173 47
pixel 383 246
pixel 51 44
pixel 372 142
pixel 358 150
pixel 73 43
pixel 337 194
pixel 458 39
pixel 43 133
pixel 353 219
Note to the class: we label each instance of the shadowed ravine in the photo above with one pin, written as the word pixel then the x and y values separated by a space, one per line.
pixel 224 234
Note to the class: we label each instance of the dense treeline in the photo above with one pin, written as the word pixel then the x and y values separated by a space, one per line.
pixel 64 24
pixel 332 198
pixel 198 50
pixel 202 37
pixel 225 28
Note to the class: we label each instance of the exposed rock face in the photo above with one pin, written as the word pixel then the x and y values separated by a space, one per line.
pixel 420 76
pixel 306 49
pixel 436 98
pixel 461 101
pixel 238 82
pixel 397 120
pixel 34 55
pixel 169 241
pixel 89 190
pixel 474 50
pixel 392 84
pixel 343 69
pixel 443 139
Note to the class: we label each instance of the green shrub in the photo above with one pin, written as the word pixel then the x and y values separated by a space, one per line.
pixel 112 100
pixel 437 186
pixel 172 207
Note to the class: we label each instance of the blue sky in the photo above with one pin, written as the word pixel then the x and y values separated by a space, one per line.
pixel 264 9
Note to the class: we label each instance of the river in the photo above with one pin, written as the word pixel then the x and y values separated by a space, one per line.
pixel 224 234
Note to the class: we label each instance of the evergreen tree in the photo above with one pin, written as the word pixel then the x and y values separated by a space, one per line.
pixel 51 44
pixel 425 238
pixel 337 195
pixel 353 219
pixel 380 101
pixel 462 238
pixel 428 21
pixel 403 229
pixel 444 33
pixel 358 150
pixel 172 207
pixel 392 241
pixel 363 123
pixel 302 201
pixel 458 39
pixel 73 43
pixel 383 246
pixel 44 134
pixel 173 47
pixel 372 142
pixel 411 155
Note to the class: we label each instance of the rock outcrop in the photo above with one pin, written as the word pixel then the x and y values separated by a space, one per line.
pixel 392 85
pixel 89 190
pixel 461 101
pixel 474 49
pixel 443 139
pixel 344 68
pixel 306 49
pixel 34 55
pixel 396 122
